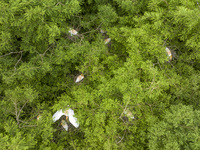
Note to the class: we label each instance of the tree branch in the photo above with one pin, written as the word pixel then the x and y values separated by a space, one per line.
pixel 18 60
pixel 11 53
pixel 60 4
pixel 21 109
pixel 121 138
pixel 42 55
pixel 27 126
pixel 16 114
pixel 124 110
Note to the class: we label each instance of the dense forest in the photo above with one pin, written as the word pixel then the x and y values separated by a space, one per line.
pixel 100 74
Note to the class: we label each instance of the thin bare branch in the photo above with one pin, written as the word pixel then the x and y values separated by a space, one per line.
pixel 91 30
pixel 11 53
pixel 158 64
pixel 124 109
pixel 21 109
pixel 18 60
pixel 60 4
pixel 27 126
pixel 89 21
pixel 16 113
pixel 122 137
pixel 42 55
pixel 171 64
pixel 48 49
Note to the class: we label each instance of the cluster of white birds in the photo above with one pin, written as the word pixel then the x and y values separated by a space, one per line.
pixel 69 113
pixel 74 32
pixel 107 40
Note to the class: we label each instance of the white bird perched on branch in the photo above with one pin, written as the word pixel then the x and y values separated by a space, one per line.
pixel 69 113
pixel 106 41
pixel 129 114
pixel 73 32
pixel 102 31
pixel 64 124
pixel 39 117
pixel 169 53
pixel 79 78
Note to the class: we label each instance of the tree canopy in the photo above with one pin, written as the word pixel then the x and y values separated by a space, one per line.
pixel 132 94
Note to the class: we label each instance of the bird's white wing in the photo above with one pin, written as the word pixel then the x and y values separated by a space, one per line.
pixel 70 112
pixel 57 115
pixel 73 121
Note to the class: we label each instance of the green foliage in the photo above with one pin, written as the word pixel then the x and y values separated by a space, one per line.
pixel 179 129
pixel 131 76
pixel 107 15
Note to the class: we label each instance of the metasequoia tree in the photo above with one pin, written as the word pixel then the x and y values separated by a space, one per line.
pixel 179 129
pixel 131 88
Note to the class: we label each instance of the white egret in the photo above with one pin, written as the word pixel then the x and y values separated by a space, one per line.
pixel 38 117
pixel 129 114
pixel 106 41
pixel 73 32
pixel 79 78
pixel 169 53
